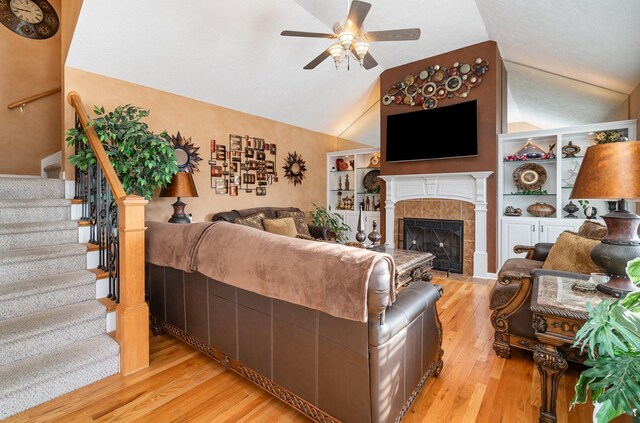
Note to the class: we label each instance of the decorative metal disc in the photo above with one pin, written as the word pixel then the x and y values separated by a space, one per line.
pixel 453 83
pixel 430 103
pixel 429 89
pixel 387 99
pixel 529 176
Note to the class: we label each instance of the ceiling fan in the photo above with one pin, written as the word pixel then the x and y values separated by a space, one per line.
pixel 352 39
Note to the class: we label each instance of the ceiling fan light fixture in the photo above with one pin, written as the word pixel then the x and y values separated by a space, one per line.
pixel 337 53
pixel 346 39
pixel 361 48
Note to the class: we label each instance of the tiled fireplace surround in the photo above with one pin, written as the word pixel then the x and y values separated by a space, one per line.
pixel 442 209
pixel 455 196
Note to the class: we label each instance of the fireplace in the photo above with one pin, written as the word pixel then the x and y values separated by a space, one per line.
pixel 442 238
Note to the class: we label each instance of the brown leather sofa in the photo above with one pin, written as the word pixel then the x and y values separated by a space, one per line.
pixel 328 368
pixel 510 298
pixel 318 232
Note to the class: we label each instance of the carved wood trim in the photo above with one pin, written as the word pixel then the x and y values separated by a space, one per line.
pixel 500 315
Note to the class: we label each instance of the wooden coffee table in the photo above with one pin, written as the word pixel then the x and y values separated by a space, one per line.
pixel 410 265
pixel 558 313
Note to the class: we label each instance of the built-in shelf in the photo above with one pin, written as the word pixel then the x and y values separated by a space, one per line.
pixel 528 195
pixel 368 193
pixel 341 171
pixel 530 161
pixel 341 190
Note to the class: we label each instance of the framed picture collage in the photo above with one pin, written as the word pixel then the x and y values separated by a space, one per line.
pixel 244 164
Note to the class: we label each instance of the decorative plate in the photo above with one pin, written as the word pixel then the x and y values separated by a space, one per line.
pixel 371 182
pixel 529 177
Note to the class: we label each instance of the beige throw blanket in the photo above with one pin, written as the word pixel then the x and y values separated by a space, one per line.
pixel 173 245
pixel 323 276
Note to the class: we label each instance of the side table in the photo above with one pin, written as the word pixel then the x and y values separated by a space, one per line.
pixel 558 313
pixel 410 265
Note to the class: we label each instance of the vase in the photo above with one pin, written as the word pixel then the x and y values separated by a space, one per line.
pixel 541 210
pixel 361 236
pixel 571 209
pixel 374 236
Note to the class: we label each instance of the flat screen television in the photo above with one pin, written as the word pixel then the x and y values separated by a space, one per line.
pixel 441 133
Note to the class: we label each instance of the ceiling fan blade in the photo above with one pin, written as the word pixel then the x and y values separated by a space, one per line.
pixel 357 13
pixel 315 62
pixel 306 34
pixel 394 35
pixel 369 62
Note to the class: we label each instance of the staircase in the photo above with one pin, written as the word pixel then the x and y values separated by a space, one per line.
pixel 53 331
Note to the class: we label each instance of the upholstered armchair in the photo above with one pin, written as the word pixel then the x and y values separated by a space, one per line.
pixel 509 300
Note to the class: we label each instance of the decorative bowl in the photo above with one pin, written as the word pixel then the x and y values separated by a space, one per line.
pixel 541 210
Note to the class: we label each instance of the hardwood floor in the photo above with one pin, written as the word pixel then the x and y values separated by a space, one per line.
pixel 184 385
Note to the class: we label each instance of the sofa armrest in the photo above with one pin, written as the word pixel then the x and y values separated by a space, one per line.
pixel 319 232
pixel 541 251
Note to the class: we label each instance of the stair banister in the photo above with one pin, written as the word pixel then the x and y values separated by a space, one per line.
pixel 132 312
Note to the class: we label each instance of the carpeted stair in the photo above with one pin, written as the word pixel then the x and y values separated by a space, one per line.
pixel 52 329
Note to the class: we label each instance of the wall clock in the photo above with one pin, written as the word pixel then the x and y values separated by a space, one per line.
pixel 35 19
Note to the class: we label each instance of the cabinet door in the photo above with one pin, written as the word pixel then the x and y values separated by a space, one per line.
pixel 551 230
pixel 518 232
pixel 351 219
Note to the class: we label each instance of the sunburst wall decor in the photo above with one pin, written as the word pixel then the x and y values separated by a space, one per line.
pixel 186 153
pixel 294 168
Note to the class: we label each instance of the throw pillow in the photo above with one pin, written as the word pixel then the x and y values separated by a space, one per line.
pixel 298 218
pixel 592 230
pixel 285 226
pixel 306 237
pixel 253 221
pixel 571 253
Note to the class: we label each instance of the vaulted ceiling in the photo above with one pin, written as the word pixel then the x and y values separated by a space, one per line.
pixel 230 53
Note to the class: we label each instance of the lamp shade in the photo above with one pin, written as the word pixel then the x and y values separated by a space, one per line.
pixel 609 171
pixel 181 186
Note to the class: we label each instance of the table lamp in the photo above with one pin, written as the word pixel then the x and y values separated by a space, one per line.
pixel 181 186
pixel 612 172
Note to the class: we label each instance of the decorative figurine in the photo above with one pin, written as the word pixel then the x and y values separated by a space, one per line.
pixel 367 204
pixel 346 182
pixel 573 174
pixel 361 236
pixel 339 205
pixel 374 236
pixel 340 183
pixel 571 209
pixel 570 150
pixel 512 211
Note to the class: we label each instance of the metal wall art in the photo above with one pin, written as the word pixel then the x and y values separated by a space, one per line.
pixel 436 83
pixel 294 168
pixel 186 153
pixel 245 161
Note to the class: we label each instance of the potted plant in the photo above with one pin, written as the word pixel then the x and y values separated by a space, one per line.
pixel 142 159
pixel 322 216
pixel 611 338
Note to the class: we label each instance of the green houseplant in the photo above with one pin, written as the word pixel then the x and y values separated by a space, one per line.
pixel 611 337
pixel 142 159
pixel 322 216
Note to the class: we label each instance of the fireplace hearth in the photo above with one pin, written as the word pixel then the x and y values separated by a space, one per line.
pixel 442 238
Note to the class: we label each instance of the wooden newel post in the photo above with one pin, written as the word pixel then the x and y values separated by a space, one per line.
pixel 132 313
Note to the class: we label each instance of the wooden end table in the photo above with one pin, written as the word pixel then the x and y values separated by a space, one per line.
pixel 558 313
pixel 410 265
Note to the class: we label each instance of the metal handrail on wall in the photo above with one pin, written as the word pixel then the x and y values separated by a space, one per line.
pixel 22 103
pixel 117 227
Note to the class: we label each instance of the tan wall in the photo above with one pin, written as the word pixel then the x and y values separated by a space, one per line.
pixel 29 67
pixel 491 97
pixel 203 122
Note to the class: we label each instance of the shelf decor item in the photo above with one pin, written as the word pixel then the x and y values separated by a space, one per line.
pixel 531 151
pixel 571 209
pixel 182 185
pixel 604 137
pixel 570 150
pixel 529 177
pixel 374 161
pixel 541 210
pixel 512 211
pixel 371 181
pixel 612 171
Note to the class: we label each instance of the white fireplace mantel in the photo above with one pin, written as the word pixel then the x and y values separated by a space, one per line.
pixel 464 186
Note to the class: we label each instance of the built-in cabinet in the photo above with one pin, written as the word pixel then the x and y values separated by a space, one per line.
pixel 559 170
pixel 346 191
